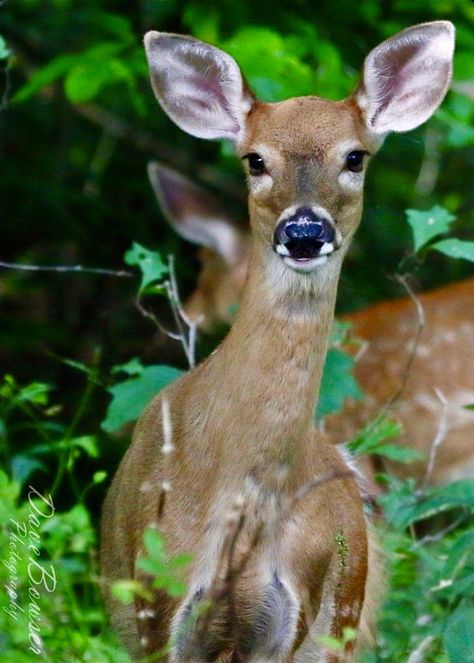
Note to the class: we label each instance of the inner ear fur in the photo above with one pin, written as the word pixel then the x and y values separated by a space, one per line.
pixel 200 87
pixel 406 77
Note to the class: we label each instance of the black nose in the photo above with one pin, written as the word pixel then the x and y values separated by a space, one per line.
pixel 304 233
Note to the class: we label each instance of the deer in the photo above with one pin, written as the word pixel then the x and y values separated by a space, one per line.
pixel 226 461
pixel 385 333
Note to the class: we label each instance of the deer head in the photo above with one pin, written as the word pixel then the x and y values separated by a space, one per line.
pixel 306 157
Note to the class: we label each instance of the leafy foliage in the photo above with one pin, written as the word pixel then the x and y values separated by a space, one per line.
pixel 167 573
pixel 131 396
pixel 150 263
pixel 428 225
pixel 79 124
pixel 338 382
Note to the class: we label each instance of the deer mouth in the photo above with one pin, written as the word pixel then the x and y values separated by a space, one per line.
pixel 305 256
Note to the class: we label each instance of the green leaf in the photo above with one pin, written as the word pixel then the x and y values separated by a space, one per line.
pixel 132 367
pixel 9 493
pixel 154 544
pixel 168 573
pixel 469 407
pixel 45 76
pixel 4 50
pixel 116 25
pixel 130 397
pixel 341 334
pixel 90 371
pixel 99 477
pixel 428 224
pixel 399 453
pixel 458 637
pixel 270 64
pixel 36 393
pixel 126 590
pixel 338 383
pixel 456 495
pixel 455 248
pixel 150 264
pixel 460 562
pixel 87 443
pixel 370 438
pixel 85 80
pixel 23 467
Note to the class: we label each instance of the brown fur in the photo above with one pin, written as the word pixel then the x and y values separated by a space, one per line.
pixel 248 411
pixel 271 513
pixel 387 331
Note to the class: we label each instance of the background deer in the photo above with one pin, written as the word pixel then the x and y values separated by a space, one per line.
pixel 270 513
pixel 443 360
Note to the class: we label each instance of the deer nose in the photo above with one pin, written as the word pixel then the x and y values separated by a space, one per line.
pixel 319 229
pixel 304 235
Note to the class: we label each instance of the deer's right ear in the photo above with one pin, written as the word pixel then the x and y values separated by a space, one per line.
pixel 199 86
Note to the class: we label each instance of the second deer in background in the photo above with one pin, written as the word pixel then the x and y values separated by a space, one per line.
pixel 443 358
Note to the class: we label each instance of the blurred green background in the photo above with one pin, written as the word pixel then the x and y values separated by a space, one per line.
pixel 78 125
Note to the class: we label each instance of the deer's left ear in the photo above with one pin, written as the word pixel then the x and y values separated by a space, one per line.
pixel 199 86
pixel 406 77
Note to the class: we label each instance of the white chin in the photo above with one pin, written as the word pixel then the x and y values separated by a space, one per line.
pixel 305 266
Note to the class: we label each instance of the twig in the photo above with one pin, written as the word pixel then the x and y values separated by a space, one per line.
pixel 66 269
pixel 431 163
pixel 438 440
pixel 6 91
pixel 432 538
pixel 418 655
pixel 419 328
pixel 146 313
pixel 306 488
pixel 390 402
pixel 100 160
pixel 222 587
pixel 186 336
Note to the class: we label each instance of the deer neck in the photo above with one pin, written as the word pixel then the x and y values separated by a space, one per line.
pixel 272 360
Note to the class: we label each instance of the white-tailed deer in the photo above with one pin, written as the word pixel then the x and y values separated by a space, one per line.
pixel 442 361
pixel 271 515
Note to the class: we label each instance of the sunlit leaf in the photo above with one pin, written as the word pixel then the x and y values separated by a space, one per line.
pixel 24 465
pixel 149 262
pixel 168 573
pixel 130 397
pixel 456 248
pixel 397 452
pixel 99 477
pixel 4 50
pixel 371 437
pixel 338 383
pixel 45 76
pixel 458 637
pixel 428 224
pixel 132 367
pixel 456 495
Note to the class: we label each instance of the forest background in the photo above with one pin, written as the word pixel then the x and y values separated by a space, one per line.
pixel 78 125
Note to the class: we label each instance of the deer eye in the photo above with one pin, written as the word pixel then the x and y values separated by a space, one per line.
pixel 355 160
pixel 256 163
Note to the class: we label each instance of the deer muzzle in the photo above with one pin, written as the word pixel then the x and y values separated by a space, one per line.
pixel 305 237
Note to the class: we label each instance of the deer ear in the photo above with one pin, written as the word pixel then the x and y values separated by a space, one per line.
pixel 406 77
pixel 196 215
pixel 199 86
